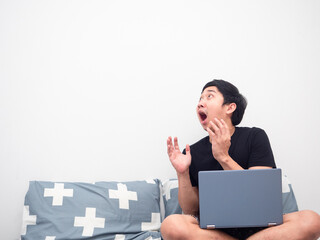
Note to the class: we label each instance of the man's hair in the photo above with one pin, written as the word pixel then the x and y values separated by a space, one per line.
pixel 230 94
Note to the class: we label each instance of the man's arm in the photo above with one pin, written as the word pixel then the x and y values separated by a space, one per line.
pixel 187 195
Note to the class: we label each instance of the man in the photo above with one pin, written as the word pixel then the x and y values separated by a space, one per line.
pixel 220 109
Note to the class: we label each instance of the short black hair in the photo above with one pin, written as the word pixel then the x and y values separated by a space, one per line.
pixel 230 94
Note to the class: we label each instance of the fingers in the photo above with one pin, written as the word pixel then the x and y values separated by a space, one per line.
pixel 218 127
pixel 176 145
pixel 225 126
pixel 188 150
pixel 211 133
pixel 214 127
pixel 218 123
pixel 171 147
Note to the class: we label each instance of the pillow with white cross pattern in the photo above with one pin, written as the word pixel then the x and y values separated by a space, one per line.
pixel 170 197
pixel 101 210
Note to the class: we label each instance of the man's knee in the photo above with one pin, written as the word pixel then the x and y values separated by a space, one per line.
pixel 174 227
pixel 307 222
pixel 310 222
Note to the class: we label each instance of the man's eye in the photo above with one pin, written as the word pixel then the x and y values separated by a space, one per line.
pixel 210 96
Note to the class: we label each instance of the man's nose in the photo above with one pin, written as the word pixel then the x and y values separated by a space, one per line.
pixel 201 103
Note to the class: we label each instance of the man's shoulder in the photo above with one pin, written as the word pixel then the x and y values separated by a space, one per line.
pixel 201 143
pixel 249 130
pixel 249 134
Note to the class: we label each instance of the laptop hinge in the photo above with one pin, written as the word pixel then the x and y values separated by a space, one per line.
pixel 272 224
pixel 211 226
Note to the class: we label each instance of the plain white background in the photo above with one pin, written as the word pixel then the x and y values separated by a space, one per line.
pixel 90 90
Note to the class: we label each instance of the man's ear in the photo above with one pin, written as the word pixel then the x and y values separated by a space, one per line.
pixel 231 108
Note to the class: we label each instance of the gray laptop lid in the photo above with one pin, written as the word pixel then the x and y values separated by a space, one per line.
pixel 240 198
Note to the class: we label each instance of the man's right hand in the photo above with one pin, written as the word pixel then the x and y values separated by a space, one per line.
pixel 178 160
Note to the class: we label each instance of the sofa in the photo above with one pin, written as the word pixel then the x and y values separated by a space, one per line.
pixel 107 210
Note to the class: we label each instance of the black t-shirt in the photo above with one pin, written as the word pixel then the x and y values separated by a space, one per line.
pixel 249 147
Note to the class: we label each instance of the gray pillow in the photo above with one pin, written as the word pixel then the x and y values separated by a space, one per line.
pixel 170 197
pixel 103 210
pixel 289 202
pixel 139 236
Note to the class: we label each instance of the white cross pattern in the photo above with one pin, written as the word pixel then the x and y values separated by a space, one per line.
pixel 58 192
pixel 27 220
pixel 123 195
pixel 50 238
pixel 151 181
pixel 120 237
pixel 154 225
pixel 169 185
pixel 89 222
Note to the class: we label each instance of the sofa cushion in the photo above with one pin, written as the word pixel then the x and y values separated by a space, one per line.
pixel 289 202
pixel 170 197
pixel 101 210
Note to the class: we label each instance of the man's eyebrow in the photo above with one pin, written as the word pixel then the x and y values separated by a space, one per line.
pixel 209 90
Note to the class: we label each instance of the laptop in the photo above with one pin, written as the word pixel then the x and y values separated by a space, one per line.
pixel 240 198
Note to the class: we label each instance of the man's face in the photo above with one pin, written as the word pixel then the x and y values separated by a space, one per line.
pixel 211 106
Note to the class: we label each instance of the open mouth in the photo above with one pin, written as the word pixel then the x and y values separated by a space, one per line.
pixel 203 116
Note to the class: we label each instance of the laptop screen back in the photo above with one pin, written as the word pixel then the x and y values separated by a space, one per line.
pixel 240 198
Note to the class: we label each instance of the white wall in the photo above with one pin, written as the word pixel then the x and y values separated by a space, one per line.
pixel 90 90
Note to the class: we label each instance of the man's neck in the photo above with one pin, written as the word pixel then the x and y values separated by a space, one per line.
pixel 232 129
